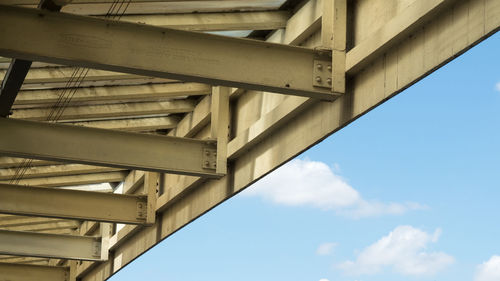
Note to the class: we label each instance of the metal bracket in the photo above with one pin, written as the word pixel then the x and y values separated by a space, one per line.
pixel 209 158
pixel 322 74
pixel 96 249
pixel 142 210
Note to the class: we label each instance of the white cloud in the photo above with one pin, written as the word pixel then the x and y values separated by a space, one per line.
pixel 489 270
pixel 323 279
pixel 403 250
pixel 325 249
pixel 312 183
pixel 497 86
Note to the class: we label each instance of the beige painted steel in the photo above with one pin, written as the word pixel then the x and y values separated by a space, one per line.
pixel 45 227
pixel 220 125
pixel 334 37
pixel 165 7
pixel 24 272
pixel 116 94
pixel 132 125
pixel 107 111
pixel 53 171
pixel 267 20
pixel 269 129
pixel 32 244
pixel 159 52
pixel 393 31
pixel 49 141
pixel 12 220
pixel 75 180
pixel 443 37
pixel 72 204
pixel 9 162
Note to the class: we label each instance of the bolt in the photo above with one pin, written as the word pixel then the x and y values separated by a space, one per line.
pixel 319 66
pixel 318 79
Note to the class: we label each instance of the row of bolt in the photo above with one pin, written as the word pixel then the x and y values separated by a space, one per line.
pixel 319 66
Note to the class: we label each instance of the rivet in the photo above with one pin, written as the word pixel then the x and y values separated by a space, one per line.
pixel 318 79
pixel 329 68
pixel 329 81
pixel 319 66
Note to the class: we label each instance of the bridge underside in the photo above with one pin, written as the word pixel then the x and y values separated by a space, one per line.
pixel 123 122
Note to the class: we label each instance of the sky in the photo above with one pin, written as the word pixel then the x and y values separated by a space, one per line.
pixel 410 191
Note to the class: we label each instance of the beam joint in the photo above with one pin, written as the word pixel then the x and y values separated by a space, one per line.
pixel 73 204
pixel 64 143
pixel 159 52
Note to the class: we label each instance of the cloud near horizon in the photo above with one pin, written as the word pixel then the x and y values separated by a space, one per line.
pixel 489 270
pixel 404 251
pixel 314 184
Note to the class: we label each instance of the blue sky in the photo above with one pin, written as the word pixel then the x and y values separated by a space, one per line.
pixel 410 191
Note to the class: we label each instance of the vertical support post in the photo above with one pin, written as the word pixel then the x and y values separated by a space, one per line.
pixel 220 125
pixel 72 270
pixel 334 37
pixel 106 233
pixel 151 186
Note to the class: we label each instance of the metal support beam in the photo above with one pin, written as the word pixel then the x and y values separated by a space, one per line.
pixel 95 95
pixel 53 171
pixel 266 20
pixel 19 68
pixel 32 244
pixel 159 52
pixel 73 204
pixel 106 111
pixel 26 272
pixel 73 180
pixel 333 37
pixel 11 84
pixel 46 227
pixel 220 125
pixel 55 142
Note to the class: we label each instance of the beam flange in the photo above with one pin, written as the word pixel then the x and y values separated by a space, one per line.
pixel 73 204
pixel 159 52
pixel 56 142
pixel 33 244
pixel 73 180
pixel 27 272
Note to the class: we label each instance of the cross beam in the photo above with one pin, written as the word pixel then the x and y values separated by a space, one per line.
pixel 73 180
pixel 159 52
pixel 55 142
pixel 33 244
pixel 27 272
pixel 73 204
